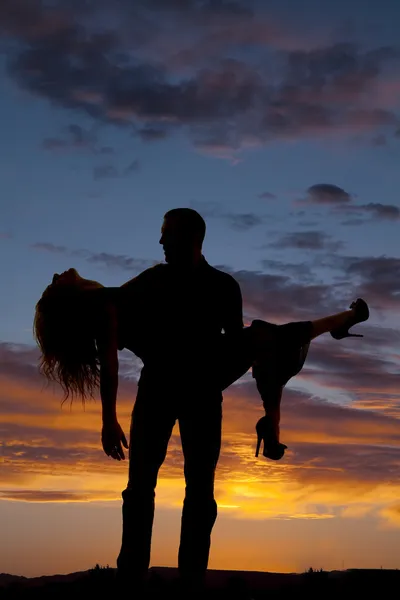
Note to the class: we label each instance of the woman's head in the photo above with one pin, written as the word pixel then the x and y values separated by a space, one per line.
pixel 64 331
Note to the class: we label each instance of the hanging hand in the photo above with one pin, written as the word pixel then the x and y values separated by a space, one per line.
pixel 112 438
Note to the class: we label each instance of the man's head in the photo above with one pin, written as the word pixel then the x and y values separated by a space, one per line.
pixel 182 235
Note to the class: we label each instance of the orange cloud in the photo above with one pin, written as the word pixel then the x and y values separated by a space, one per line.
pixel 338 481
pixel 338 457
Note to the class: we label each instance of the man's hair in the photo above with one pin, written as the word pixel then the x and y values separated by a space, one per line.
pixel 192 220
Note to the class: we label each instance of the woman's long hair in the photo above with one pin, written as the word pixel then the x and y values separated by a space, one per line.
pixel 63 330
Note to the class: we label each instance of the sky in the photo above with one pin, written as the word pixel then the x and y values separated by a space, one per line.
pixel 279 122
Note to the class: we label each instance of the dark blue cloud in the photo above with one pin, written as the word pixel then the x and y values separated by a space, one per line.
pixel 327 193
pixel 306 240
pixel 218 99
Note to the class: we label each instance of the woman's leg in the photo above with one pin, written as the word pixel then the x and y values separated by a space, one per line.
pixel 339 324
pixel 277 353
pixel 328 324
pixel 276 367
pixel 271 373
pixel 264 343
pixel 302 332
pixel 265 340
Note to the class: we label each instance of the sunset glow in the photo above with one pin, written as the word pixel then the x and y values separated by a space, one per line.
pixel 281 126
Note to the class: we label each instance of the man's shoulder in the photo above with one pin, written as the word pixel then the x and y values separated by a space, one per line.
pixel 222 277
pixel 147 276
pixel 154 270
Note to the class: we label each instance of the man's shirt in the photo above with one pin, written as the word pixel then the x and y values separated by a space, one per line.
pixel 174 317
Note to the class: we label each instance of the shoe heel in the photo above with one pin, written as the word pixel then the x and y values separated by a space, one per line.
pixel 361 314
pixel 259 439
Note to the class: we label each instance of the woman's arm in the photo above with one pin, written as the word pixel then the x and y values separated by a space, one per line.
pixel 107 348
pixel 112 436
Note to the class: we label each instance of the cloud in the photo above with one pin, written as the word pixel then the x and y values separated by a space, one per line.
pixel 79 136
pixel 161 78
pixel 236 221
pixel 54 144
pixel 133 167
pixel 194 8
pixel 354 463
pixel 216 148
pixel 306 240
pixel 244 222
pixel 267 196
pixel 323 438
pixel 378 279
pixel 280 298
pixel 29 20
pixel 208 209
pixel 327 193
pixel 126 263
pixel 289 291
pixel 46 447
pixel 109 171
pixel 150 134
pixel 379 140
pixel 106 150
pixel 382 211
pixel 284 294
pixel 341 203
pixel 239 221
pixel 76 137
pixel 54 455
pixel 358 213
pixel 358 375
pixel 19 365
pixel 48 247
pixel 120 261
pixel 299 270
pixel 375 278
pixel 43 496
pixel 353 222
pixel 105 172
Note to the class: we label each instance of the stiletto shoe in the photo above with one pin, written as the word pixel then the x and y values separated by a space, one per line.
pixel 272 448
pixel 361 313
pixel 272 374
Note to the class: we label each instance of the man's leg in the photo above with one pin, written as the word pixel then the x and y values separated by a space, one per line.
pixel 153 419
pixel 200 422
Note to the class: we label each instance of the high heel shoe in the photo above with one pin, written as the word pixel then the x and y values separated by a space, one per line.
pixel 361 313
pixel 272 372
pixel 265 432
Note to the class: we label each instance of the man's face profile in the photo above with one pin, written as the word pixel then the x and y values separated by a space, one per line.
pixel 177 240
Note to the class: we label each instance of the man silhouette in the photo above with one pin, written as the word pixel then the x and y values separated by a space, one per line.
pixel 182 308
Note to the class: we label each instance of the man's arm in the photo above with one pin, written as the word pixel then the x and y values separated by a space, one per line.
pixel 140 283
pixel 233 309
